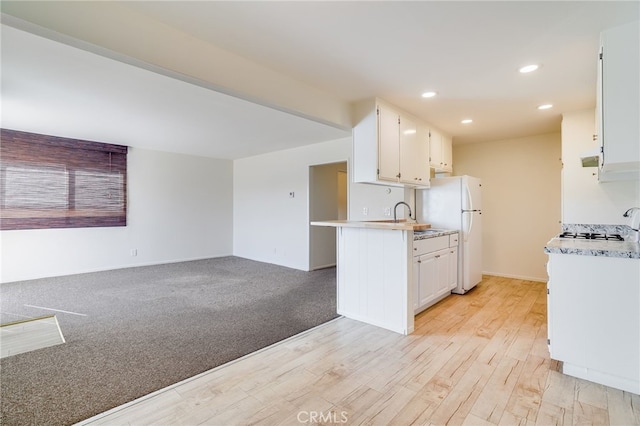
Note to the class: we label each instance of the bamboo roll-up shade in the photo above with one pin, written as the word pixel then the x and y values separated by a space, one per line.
pixel 54 182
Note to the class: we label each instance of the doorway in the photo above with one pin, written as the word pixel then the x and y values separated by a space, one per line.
pixel 328 200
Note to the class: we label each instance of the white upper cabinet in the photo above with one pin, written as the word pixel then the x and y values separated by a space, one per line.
pixel 435 149
pixel 414 152
pixel 441 151
pixel 388 144
pixel 618 98
pixel 447 153
pixel 389 147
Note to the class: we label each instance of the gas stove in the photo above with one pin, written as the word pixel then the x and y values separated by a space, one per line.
pixel 591 236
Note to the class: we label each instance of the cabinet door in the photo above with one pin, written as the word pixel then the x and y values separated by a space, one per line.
pixel 447 153
pixel 428 278
pixel 414 153
pixel 388 144
pixel 570 331
pixel 620 97
pixel 453 268
pixel 416 283
pixel 442 261
pixel 435 149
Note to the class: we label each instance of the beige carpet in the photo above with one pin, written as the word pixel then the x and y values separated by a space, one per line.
pixel 132 331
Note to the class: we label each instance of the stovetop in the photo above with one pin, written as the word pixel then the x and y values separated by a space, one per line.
pixel 591 236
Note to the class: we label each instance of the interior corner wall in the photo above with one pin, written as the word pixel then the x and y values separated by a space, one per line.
pixel 584 199
pixel 179 208
pixel 520 201
pixel 324 205
pixel 269 225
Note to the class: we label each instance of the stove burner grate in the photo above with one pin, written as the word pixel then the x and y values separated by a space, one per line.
pixel 591 236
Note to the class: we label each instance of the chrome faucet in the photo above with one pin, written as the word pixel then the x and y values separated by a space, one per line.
pixel 395 209
pixel 634 221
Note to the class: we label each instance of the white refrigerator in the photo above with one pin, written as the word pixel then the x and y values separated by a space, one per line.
pixel 456 203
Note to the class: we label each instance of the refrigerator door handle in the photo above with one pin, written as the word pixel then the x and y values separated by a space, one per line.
pixel 469 203
pixel 467 232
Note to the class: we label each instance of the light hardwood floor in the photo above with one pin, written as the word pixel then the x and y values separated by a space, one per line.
pixel 477 359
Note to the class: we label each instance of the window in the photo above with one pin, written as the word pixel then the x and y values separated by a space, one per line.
pixel 53 182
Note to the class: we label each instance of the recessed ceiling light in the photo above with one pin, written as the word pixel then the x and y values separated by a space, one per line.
pixel 428 94
pixel 467 121
pixel 545 106
pixel 529 68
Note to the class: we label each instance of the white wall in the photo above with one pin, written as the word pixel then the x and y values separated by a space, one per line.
pixel 584 199
pixel 520 201
pixel 271 227
pixel 324 205
pixel 179 208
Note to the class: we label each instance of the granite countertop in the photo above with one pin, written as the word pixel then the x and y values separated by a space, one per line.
pixel 432 233
pixel 626 249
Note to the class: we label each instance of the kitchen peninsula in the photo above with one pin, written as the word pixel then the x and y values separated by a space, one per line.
pixel 375 276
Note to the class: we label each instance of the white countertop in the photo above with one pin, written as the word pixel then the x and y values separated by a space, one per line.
pixel 400 225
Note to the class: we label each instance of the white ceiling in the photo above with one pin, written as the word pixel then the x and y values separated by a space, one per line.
pixel 52 88
pixel 468 52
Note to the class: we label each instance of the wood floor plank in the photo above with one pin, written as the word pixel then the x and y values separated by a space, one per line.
pixel 474 359
pixel 623 407
pixel 524 402
pixel 591 393
pixel 491 404
pixel 560 390
pixel 553 415
pixel 386 408
pixel 457 404
pixel 358 401
pixel 585 414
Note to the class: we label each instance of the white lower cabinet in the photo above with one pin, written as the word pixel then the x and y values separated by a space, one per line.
pixel 426 273
pixel 593 318
pixel 435 271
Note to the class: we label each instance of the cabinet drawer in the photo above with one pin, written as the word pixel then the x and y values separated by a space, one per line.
pixel 430 244
pixel 453 240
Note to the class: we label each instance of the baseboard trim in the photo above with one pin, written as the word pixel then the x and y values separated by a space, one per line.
pixel 317 268
pixel 116 267
pixel 516 277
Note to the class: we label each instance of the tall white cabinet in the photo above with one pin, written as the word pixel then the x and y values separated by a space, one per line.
pixel 618 103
